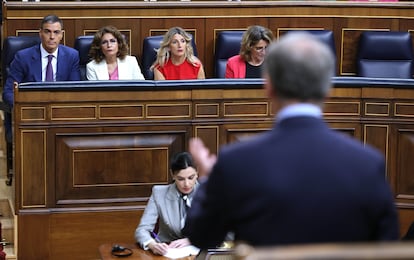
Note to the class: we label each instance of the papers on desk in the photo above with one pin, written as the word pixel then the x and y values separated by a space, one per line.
pixel 175 253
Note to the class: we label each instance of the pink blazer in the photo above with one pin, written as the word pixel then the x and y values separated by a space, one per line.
pixel 235 68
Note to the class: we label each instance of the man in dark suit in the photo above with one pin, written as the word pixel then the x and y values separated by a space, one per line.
pixel 300 182
pixel 30 64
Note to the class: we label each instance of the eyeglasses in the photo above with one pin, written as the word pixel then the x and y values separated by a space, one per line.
pixel 111 41
pixel 260 49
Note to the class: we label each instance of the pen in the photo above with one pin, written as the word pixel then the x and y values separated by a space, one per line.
pixel 155 236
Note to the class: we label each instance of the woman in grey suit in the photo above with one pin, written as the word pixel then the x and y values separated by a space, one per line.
pixel 167 207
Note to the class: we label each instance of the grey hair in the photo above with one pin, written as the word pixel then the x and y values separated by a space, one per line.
pixel 300 67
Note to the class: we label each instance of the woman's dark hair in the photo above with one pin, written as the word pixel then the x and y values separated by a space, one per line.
pixel 95 51
pixel 181 161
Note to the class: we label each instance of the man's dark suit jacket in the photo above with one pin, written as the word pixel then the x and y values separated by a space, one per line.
pixel 301 182
pixel 27 67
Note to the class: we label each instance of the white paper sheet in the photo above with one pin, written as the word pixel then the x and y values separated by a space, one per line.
pixel 175 253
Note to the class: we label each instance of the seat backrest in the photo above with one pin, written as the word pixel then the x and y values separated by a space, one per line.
pixel 227 45
pixel 83 44
pixel 385 54
pixel 13 44
pixel 149 53
pixel 325 36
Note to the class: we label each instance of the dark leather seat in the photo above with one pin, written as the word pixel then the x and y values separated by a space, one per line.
pixel 149 54
pixel 385 54
pixel 11 45
pixel 325 36
pixel 83 44
pixel 227 45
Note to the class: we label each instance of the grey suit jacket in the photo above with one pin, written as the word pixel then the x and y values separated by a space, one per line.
pixel 162 207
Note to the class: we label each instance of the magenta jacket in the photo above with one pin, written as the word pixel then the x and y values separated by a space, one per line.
pixel 235 67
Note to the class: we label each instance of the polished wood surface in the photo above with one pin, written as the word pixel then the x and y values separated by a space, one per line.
pixel 137 253
pixel 204 19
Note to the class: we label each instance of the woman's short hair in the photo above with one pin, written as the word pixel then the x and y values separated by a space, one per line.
pixel 95 51
pixel 251 37
pixel 163 53
pixel 181 161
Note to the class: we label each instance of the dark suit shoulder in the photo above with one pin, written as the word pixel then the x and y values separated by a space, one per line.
pixel 68 50
pixel 357 146
pixel 33 50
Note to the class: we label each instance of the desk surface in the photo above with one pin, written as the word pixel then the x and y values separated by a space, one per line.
pixel 137 253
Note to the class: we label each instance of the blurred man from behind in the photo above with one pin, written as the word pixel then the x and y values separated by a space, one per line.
pixel 300 182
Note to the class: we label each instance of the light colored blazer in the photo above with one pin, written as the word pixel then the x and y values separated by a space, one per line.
pixel 128 69
pixel 163 206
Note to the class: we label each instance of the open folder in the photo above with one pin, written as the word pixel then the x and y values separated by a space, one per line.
pixel 175 253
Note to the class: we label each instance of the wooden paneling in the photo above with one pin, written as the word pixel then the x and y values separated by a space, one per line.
pixel 33 146
pixel 129 164
pixel 35 241
pixel 86 160
pixel 138 19
pixel 78 156
pixel 74 238
pixel 405 167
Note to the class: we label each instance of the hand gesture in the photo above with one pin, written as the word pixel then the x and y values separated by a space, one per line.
pixel 202 156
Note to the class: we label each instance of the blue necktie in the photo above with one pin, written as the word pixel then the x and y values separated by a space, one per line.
pixel 49 68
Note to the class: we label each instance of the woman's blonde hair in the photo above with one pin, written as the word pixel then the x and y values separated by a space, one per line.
pixel 163 53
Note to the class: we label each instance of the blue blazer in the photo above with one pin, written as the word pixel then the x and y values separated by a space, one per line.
pixel 301 182
pixel 27 67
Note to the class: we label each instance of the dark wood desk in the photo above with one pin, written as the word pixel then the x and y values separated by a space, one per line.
pixel 137 253
pixel 71 137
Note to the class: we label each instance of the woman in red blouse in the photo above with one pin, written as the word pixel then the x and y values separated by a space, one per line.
pixel 175 58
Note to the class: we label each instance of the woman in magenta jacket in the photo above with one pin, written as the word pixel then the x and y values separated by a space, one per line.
pixel 247 64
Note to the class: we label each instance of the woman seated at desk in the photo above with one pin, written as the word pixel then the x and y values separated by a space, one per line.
pixel 248 64
pixel 110 59
pixel 167 206
pixel 175 58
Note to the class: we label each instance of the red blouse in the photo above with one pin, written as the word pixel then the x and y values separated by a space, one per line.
pixel 185 70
